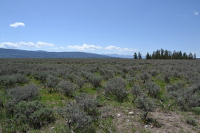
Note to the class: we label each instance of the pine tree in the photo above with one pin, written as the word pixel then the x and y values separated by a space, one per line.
pixel 147 56
pixel 139 55
pixel 135 55
pixel 195 56
pixel 190 56
pixel 184 55
pixel 162 53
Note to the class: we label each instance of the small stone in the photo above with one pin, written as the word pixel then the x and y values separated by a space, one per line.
pixel 118 115
pixel 146 126
pixel 131 113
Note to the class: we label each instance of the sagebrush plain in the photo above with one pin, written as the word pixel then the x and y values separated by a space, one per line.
pixel 99 95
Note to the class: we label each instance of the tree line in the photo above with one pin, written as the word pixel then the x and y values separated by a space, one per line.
pixel 166 54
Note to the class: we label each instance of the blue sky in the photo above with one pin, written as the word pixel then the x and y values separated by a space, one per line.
pixel 101 26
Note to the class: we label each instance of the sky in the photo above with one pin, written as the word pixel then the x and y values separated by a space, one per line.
pixel 101 26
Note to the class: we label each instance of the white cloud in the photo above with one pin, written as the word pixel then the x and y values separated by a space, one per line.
pixel 17 24
pixel 39 44
pixel 8 45
pixel 196 13
pixel 121 49
pixel 84 47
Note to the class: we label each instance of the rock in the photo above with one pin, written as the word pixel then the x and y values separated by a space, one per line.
pixel 118 115
pixel 131 113
pixel 146 126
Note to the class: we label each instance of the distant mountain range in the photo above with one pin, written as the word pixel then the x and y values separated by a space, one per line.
pixel 16 53
pixel 119 56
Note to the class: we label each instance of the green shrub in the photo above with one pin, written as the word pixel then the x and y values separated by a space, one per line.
pixel 154 72
pixel 136 91
pixel 191 121
pixel 92 78
pixel 146 104
pixel 130 80
pixel 188 98
pixel 116 87
pixel 40 76
pixel 153 89
pixel 67 88
pixel 25 93
pixel 21 79
pixel 8 81
pixel 51 83
pixel 76 118
pixel 106 73
pixel 166 77
pixel 145 77
pixel 95 80
pixel 175 87
pixel 18 94
pixel 196 110
pixel 87 103
pixel 80 82
pixel 34 113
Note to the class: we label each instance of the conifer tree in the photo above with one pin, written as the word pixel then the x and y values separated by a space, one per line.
pixel 139 55
pixel 135 56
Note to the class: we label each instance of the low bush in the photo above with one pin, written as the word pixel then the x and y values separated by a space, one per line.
pixel 130 80
pixel 87 103
pixel 106 73
pixel 116 87
pixel 77 119
pixel 92 78
pixel 18 94
pixel 188 98
pixel 34 113
pixel 11 80
pixel 40 76
pixel 166 77
pixel 136 91
pixel 144 77
pixel 67 88
pixel 196 110
pixel 51 83
pixel 25 93
pixel 153 89
pixel 145 104
pixel 191 121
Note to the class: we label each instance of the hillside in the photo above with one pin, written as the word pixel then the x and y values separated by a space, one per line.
pixel 15 53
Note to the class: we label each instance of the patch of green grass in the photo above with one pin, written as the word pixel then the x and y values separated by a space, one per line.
pixel 175 79
pixel 91 91
pixel 52 99
pixel 161 84
pixel 32 80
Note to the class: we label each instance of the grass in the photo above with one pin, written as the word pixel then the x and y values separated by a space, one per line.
pixel 52 99
pixel 91 91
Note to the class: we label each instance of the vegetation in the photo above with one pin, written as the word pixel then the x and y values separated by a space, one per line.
pixel 97 95
pixel 166 54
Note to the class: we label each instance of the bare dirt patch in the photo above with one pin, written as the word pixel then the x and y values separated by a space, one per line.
pixel 171 122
